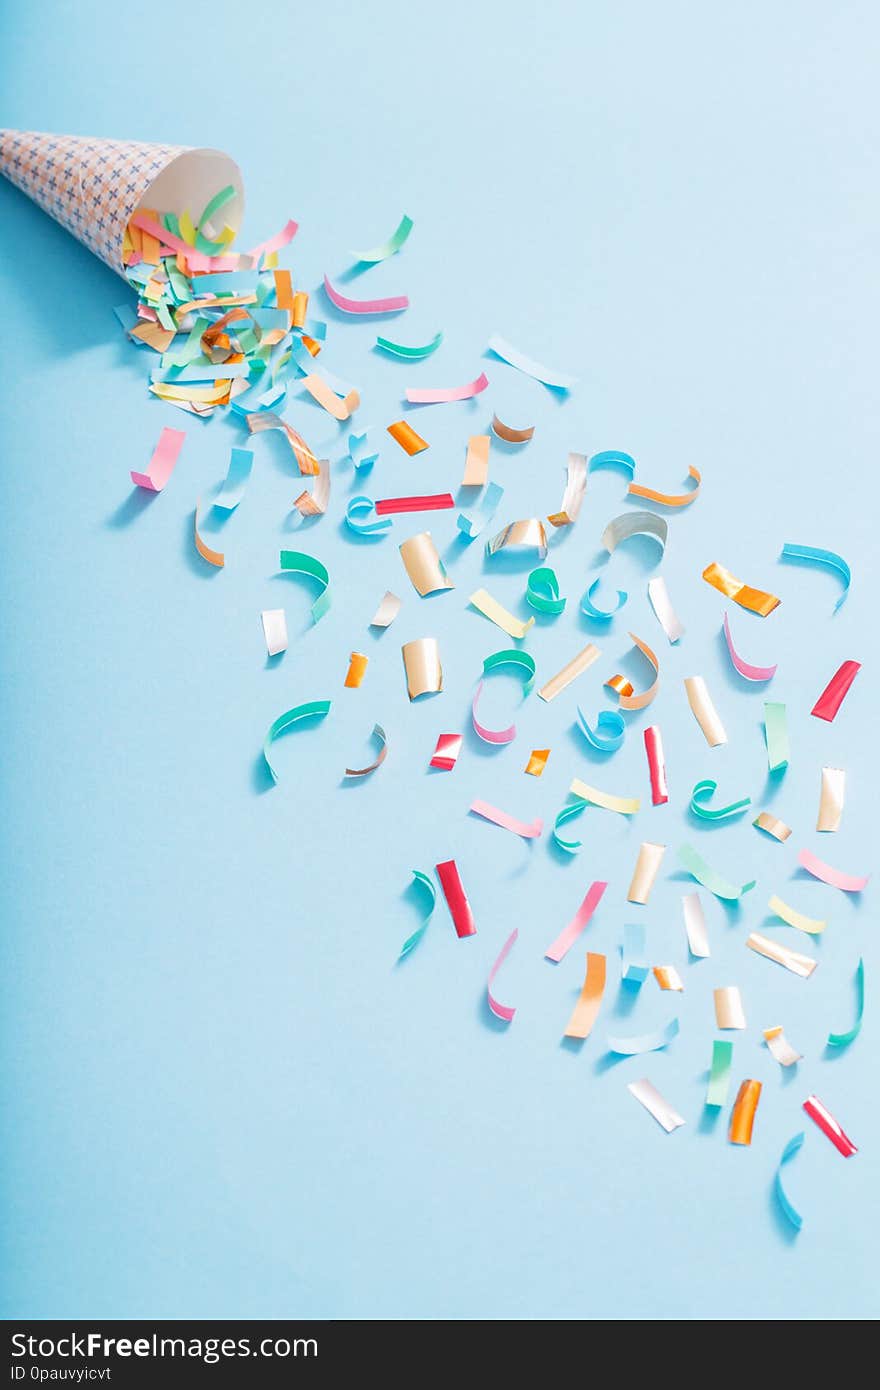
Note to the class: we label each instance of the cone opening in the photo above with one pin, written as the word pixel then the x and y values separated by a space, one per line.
pixel 190 181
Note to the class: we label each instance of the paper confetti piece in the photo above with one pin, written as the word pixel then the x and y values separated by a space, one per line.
pixel 633 964
pixel 782 955
pixel 421 660
pixel 362 450
pixel 456 898
pixel 542 592
pixel 844 1039
pixel 406 437
pixel 601 615
pixel 666 499
pixel 832 696
pixel 275 243
pixel 387 611
pixel 411 941
pixel 497 614
pixel 274 623
pixel 471 523
pixel 749 672
pixel 829 1126
pixel 423 565
pixel 433 502
pixel 575 489
pixel 668 977
pixel 695 925
pixel 511 435
pixel 546 375
pixel 729 1011
pixel 831 798
pixel 387 248
pixel 848 883
pixel 628 700
pixel 380 736
pixel 644 1042
pixel 613 458
pixel 295 562
pixel 357 667
pixel 574 668
pixel 623 805
pixel 776 736
pixel 520 535
pixel 390 305
pixel 313 709
pixel 628 524
pixel 356 513
pixel 569 935
pixel 771 826
pixel 506 822
pixel 701 796
pixel 412 354
pixel 780 1048
pixel 656 765
pixel 812 556
pixel 609 732
pixel 754 599
pixel 665 613
pixel 709 878
pixel 789 1211
pixel 648 1096
pixel 502 1011
pixel 327 398
pixel 241 461
pixel 796 919
pixel 267 420
pixel 446 752
pixel 576 808
pixel 161 465
pixel 314 503
pixel 537 761
pixel 645 872
pixel 719 1075
pixel 476 463
pixel 439 395
pixel 213 557
pixel 742 1118
pixel 586 1010
pixel 704 711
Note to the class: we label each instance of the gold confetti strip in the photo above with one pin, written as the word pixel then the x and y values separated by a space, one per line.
pixel 726 583
pixel 773 950
pixel 647 866
pixel 629 700
pixel 476 464
pixel 771 826
pixel 831 798
pixel 780 1048
pixel 575 489
pixel 318 389
pixel 421 660
pixel 525 535
pixel 575 667
pixel 704 711
pixel 729 1012
pixel 423 565
pixel 512 435
pixel 387 611
pixel 213 557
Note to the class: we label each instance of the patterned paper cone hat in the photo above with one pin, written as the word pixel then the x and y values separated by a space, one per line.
pixel 92 186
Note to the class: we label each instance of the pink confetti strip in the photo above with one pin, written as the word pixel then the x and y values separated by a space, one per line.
pixel 447 751
pixel 456 898
pixel 849 883
pixel 749 672
pixel 829 1126
pixel 569 935
pixel 516 827
pixel 502 1011
pixel 430 502
pixel 275 243
pixel 656 765
pixel 832 696
pixel 365 306
pixel 496 736
pixel 162 463
pixel 437 395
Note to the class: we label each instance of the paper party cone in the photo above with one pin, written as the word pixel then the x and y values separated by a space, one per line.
pixel 92 186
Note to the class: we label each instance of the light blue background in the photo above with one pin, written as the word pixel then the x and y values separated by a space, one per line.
pixel 222 1097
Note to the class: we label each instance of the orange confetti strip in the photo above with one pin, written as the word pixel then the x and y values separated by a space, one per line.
pixel 512 435
pixel 213 557
pixel 620 685
pixel 340 409
pixel 406 437
pixel 667 499
pixel 356 669
pixel 586 1010
pixel 726 583
pixel 300 309
pixel 742 1118
pixel 283 289
pixel 537 761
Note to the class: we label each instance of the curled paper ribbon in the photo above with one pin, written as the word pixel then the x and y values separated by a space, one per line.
pixel 788 914
pixel 829 1126
pixel 729 1012
pixel 295 562
pixel 389 247
pixel 274 243
pixel 622 528
pixel 502 1011
pixel 241 461
pixel 456 898
pixel 623 805
pixel 668 977
pixel 438 395
pixel 274 623
pixel 537 761
pixel 656 765
pixel 750 673
pixel 628 700
pixel 663 609
pixel 776 736
pixel 586 1010
pixel 411 941
pixel 476 463
pixel 609 732
pixel 633 965
pixel 655 1104
pixel 742 1119
pixel 525 666
pixel 423 565
pixel 575 488
pixel 789 1211
pixel 569 934
pixel 726 583
pixel 647 866
pixel 496 613
pixel 446 752
pixel 782 955
pixel 542 592
pixel 575 667
pixel 644 1042
pixel 213 557
pixel 430 502
pixel 510 434
pixel 832 696
pixel 421 660
pixel 520 535
pixel 314 503
pixel 387 611
pixel 470 524
pixel 601 615
pixel 548 376
pixel 709 877
pixel 613 458
pixel 704 711
pixel 702 794
pixel 771 826
pixel 666 499
pixel 391 305
pixel 812 556
pixel 506 822
pixel 162 463
pixel 358 509
pixel 357 668
pixel 327 398
pixel 404 435
pixel 361 451
pixel 380 737
pixel 412 354
pixel 575 808
pixel 314 709
pixel 780 1048
pixel 848 883
pixel 719 1075
pixel 695 926
pixel 267 420
pixel 844 1039
pixel 831 798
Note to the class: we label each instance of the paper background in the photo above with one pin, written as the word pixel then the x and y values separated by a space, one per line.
pixel 222 1098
